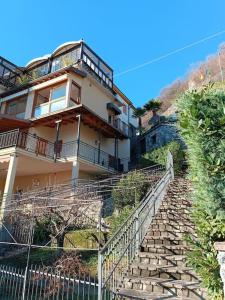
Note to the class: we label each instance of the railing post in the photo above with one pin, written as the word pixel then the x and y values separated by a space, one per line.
pixel 100 258
pixel 137 233
pixel 169 165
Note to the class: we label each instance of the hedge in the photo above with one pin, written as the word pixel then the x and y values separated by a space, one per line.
pixel 202 123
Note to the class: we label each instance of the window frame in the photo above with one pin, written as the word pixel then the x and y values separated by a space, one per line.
pixel 49 102
pixel 79 97
pixel 16 99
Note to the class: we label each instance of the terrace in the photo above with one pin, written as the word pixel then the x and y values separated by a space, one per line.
pixel 59 151
pixel 74 53
pixel 9 73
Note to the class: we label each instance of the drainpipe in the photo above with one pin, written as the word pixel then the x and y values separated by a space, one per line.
pixel 78 134
pixel 58 124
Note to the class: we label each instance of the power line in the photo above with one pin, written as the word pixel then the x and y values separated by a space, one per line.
pixel 170 53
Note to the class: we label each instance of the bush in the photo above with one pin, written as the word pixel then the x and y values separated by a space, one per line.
pixel 202 122
pixel 130 190
pixel 159 156
pixel 117 219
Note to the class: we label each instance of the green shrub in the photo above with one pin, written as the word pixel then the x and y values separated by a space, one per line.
pixel 117 219
pixel 159 156
pixel 202 122
pixel 130 190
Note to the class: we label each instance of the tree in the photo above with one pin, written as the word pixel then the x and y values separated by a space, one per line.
pixel 139 113
pixel 153 105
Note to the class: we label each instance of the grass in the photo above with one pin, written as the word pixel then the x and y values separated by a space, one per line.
pixel 47 257
pixel 81 239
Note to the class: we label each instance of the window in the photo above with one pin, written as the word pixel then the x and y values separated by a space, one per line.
pixel 17 107
pixel 50 100
pixel 58 93
pixel 75 94
pixel 153 139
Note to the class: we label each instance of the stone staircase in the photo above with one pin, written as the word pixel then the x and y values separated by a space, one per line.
pixel 160 270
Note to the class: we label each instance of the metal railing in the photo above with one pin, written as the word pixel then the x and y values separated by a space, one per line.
pixel 26 141
pixel 119 252
pixel 45 283
pixel 121 126
pixel 91 154
pixel 8 73
pixel 43 147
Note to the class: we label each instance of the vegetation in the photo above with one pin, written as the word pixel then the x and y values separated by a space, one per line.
pixel 202 122
pixel 152 105
pixel 117 219
pixel 130 190
pixel 159 156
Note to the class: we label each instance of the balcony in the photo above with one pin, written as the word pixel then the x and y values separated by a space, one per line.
pixel 42 147
pixel 28 142
pixel 8 73
pixel 91 154
pixel 80 52
pixel 120 125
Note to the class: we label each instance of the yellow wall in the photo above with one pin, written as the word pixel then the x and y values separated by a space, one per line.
pixel 27 183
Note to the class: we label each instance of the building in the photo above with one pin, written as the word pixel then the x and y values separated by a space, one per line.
pixel 61 117
pixel 163 130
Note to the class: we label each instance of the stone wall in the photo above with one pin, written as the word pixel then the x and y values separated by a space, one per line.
pixel 159 135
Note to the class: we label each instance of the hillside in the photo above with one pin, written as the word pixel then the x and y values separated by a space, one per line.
pixel 210 70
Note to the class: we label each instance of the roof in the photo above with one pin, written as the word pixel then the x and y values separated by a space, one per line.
pixel 61 48
pixel 122 95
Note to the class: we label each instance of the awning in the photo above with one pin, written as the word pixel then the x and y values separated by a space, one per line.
pixel 113 107
pixel 8 122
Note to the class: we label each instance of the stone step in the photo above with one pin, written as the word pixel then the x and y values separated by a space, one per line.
pixel 163 241
pixel 166 249
pixel 162 259
pixel 172 215
pixel 164 233
pixel 173 228
pixel 176 210
pixel 126 294
pixel 180 288
pixel 177 202
pixel 163 271
pixel 174 222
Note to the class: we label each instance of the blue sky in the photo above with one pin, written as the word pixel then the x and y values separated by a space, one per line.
pixel 125 33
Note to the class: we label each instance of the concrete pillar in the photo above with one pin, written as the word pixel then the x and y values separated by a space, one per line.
pixel 220 247
pixel 3 107
pixel 68 92
pixel 75 169
pixel 9 183
pixel 29 106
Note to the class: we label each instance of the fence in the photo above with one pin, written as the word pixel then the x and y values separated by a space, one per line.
pixel 40 284
pixel 114 258
pixel 119 252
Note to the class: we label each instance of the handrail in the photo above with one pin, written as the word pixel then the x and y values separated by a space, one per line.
pixel 122 248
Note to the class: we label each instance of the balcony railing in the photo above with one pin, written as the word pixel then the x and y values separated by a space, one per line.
pixel 8 73
pixel 40 146
pixel 120 125
pixel 28 142
pixel 71 57
pixel 49 107
pixel 91 154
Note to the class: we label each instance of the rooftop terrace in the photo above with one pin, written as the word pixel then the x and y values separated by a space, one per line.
pixel 68 54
